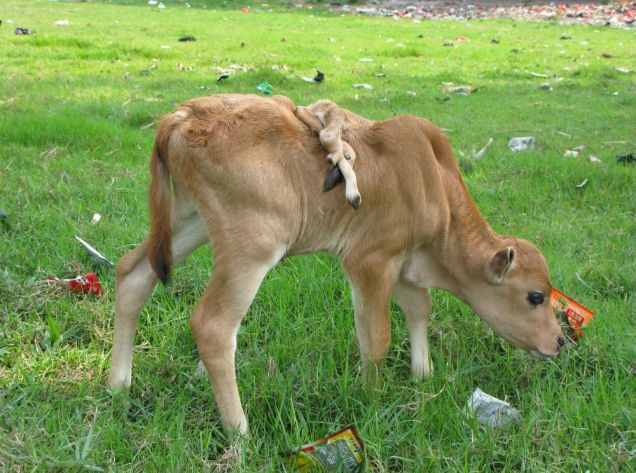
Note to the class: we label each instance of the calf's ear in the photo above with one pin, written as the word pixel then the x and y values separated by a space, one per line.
pixel 502 262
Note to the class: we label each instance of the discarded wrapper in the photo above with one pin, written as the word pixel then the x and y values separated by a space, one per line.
pixel 88 284
pixel 490 411
pixel 94 253
pixel 521 143
pixel 339 452
pixel 265 88
pixel 576 315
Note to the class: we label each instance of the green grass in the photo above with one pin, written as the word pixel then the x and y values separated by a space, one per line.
pixel 75 108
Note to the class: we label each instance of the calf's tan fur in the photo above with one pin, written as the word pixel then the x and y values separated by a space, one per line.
pixel 244 175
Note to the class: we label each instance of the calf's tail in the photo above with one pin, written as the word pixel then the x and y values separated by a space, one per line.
pixel 160 201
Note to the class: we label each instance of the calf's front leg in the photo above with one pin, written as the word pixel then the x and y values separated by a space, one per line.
pixel 371 281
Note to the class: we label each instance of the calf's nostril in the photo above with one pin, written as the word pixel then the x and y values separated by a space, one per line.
pixel 561 341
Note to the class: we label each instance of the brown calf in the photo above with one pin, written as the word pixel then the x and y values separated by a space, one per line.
pixel 244 175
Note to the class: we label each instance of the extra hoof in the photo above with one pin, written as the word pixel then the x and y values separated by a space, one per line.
pixel 355 202
pixel 334 177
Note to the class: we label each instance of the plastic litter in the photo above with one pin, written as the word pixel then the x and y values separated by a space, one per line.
pixel 161 6
pixel 450 88
pixel 96 218
pixel 3 214
pixel 265 88
pixel 366 59
pixel 362 86
pixel 624 70
pixel 185 39
pixel 575 315
pixel 482 152
pixel 582 184
pixel 490 411
pixel 339 452
pixel 223 76
pixel 61 23
pixel 318 78
pixel 23 31
pixel 522 143
pixel 625 158
pixel 545 86
pixel 594 159
pixel 87 284
pixel 94 253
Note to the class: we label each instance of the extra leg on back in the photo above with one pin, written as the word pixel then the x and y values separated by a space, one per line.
pixel 216 320
pixel 415 302
pixel 135 281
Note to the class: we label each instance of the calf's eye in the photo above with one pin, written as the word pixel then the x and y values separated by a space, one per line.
pixel 536 297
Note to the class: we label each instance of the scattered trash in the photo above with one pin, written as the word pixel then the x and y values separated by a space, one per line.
pixel 23 31
pixel 448 43
pixel 412 93
pixel 165 46
pixel 625 158
pixel 482 152
pixel 362 86
pixel 449 88
pixel 88 284
pixel 461 38
pixel 366 59
pixel 537 74
pixel 245 10
pixel 265 88
pixel 624 70
pixel 223 77
pixel 379 75
pixel 96 218
pixel 521 144
pixel 607 54
pixel 565 36
pixel 161 6
pixel 152 3
pixel 582 184
pixel 495 41
pixel 339 452
pixel 545 86
pixel 574 152
pixel 3 214
pixel 490 411
pixel 185 39
pixel 94 253
pixel 576 316
pixel 61 23
pixel 318 78
pixel 594 159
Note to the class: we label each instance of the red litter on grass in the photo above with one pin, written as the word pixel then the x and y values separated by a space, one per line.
pixel 88 284
pixel 576 315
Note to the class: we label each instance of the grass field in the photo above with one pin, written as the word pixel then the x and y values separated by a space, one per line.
pixel 77 107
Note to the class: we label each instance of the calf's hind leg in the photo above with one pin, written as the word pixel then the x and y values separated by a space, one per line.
pixel 216 320
pixel 135 281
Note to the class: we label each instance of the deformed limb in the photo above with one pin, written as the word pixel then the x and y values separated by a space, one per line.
pixel 330 121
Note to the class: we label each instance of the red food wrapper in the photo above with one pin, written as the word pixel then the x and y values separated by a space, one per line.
pixel 88 284
pixel 576 315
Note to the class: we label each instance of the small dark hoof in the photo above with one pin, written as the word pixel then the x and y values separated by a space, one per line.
pixel 334 177
pixel 355 202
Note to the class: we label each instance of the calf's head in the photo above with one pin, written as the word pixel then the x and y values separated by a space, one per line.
pixel 513 297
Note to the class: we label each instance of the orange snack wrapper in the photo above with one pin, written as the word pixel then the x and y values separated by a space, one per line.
pixel 576 315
